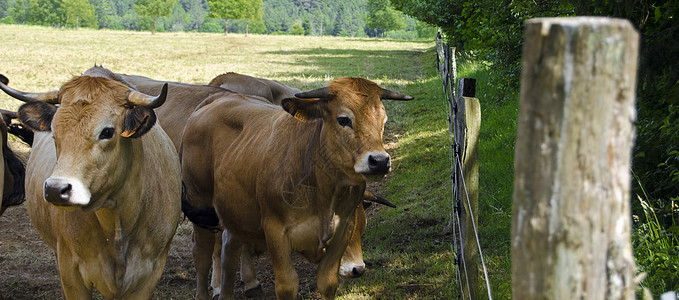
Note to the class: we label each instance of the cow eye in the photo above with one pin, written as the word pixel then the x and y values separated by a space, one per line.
pixel 107 133
pixel 344 121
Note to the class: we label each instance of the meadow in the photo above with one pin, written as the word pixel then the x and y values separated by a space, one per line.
pixel 407 250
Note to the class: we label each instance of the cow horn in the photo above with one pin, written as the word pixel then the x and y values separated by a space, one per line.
pixel 141 99
pixel 390 95
pixel 368 196
pixel 317 93
pixel 49 97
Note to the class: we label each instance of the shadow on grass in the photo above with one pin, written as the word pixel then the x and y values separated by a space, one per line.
pixel 370 64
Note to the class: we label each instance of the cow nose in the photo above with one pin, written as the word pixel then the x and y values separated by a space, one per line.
pixel 357 271
pixel 379 163
pixel 57 191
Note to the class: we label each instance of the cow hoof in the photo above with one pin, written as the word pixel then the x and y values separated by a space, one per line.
pixel 254 292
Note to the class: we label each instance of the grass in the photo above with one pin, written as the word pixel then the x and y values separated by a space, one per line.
pixel 407 248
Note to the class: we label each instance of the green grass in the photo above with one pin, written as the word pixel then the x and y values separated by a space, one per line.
pixel 412 239
pixel 409 251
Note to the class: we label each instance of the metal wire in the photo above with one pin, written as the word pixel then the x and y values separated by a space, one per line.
pixel 478 244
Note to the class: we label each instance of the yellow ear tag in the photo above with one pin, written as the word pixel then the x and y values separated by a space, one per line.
pixel 127 133
pixel 299 115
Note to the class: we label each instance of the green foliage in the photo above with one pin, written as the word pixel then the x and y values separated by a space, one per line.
pixel 656 250
pixel 154 9
pixel 80 13
pixel 297 29
pixel 211 25
pixel 383 17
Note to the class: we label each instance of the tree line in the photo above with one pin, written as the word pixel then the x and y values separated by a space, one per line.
pixel 301 17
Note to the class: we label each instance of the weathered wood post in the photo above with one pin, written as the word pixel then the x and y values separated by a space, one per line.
pixel 571 214
pixel 467 124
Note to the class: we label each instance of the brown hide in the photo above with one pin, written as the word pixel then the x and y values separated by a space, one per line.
pixel 271 90
pixel 182 99
pixel 112 226
pixel 284 183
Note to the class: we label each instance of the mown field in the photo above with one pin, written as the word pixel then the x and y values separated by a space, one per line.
pixel 408 253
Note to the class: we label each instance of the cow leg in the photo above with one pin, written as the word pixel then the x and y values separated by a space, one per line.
pixel 231 249
pixel 149 285
pixel 217 266
pixel 203 244
pixel 328 269
pixel 253 288
pixel 285 276
pixel 71 281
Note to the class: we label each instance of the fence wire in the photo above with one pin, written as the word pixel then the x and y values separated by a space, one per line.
pixel 444 68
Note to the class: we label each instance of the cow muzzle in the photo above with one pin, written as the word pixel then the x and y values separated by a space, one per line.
pixel 374 164
pixel 61 191
pixel 351 270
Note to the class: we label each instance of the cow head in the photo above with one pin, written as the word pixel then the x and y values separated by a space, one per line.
pixel 353 118
pixel 93 127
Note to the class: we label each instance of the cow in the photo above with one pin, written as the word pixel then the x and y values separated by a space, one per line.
pixel 271 90
pixel 12 170
pixel 103 186
pixel 182 100
pixel 287 178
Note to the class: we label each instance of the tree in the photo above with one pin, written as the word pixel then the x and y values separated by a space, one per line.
pixel 80 12
pixel 382 16
pixel 235 9
pixel 154 9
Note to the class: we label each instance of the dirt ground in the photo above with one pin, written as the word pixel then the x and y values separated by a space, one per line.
pixel 28 267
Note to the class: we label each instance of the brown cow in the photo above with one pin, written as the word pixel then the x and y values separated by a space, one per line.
pixel 271 90
pixel 12 170
pixel 285 184
pixel 172 116
pixel 103 185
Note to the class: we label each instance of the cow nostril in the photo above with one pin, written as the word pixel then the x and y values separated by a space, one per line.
pixel 358 271
pixel 65 190
pixel 58 192
pixel 379 163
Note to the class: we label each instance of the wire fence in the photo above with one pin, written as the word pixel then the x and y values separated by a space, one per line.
pixel 460 201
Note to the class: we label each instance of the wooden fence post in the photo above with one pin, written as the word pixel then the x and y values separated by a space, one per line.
pixel 467 124
pixel 571 214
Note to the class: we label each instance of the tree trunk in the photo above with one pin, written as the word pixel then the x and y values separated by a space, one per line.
pixel 571 213
pixel 226 26
pixel 77 22
pixel 247 28
pixel 154 26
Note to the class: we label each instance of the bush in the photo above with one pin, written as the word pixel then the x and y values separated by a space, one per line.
pixel 297 29
pixel 402 35
pixel 7 20
pixel 211 25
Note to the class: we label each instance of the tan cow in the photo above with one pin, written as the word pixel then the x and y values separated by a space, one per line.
pixel 271 90
pixel 284 184
pixel 103 185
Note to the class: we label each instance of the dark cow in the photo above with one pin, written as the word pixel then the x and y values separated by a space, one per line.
pixel 287 183
pixel 13 170
pixel 271 90
pixel 103 185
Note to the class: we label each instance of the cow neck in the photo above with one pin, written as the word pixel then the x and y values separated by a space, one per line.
pixel 123 208
pixel 345 193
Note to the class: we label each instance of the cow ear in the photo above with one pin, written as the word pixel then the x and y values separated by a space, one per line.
pixel 138 121
pixel 37 116
pixel 303 110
